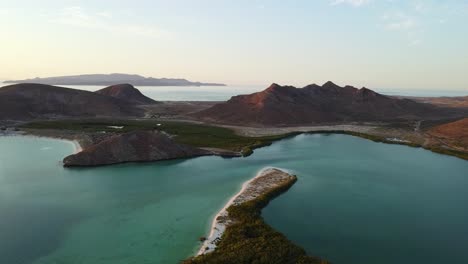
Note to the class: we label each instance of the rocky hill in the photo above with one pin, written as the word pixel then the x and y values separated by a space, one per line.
pixel 111 79
pixel 287 105
pixel 452 134
pixel 29 101
pixel 138 146
pixel 126 92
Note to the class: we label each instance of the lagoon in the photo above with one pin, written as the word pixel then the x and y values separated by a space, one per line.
pixel 356 201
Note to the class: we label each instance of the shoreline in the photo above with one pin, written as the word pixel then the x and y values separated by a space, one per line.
pixel 76 144
pixel 218 226
pixel 247 238
pixel 81 141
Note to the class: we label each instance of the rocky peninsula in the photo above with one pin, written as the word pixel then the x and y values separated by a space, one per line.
pixel 137 146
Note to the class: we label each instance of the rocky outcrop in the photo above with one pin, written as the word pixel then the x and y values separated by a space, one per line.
pixel 29 101
pixel 454 134
pixel 314 104
pixel 139 146
pixel 128 93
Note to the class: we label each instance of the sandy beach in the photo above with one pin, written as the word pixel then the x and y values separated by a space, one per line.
pixel 76 144
pixel 221 219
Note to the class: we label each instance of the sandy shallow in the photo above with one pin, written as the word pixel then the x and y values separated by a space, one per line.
pixel 76 144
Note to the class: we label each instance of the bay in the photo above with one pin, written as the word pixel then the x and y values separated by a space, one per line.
pixel 356 201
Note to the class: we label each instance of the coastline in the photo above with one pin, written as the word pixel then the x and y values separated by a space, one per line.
pixel 76 144
pixel 240 235
pixel 218 225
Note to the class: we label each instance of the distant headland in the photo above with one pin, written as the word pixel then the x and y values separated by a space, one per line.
pixel 111 79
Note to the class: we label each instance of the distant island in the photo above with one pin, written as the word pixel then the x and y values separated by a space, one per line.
pixel 111 79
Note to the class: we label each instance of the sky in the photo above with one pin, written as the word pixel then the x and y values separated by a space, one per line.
pixel 404 44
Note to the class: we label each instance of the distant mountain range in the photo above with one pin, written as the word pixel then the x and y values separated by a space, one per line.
pixel 111 79
pixel 287 105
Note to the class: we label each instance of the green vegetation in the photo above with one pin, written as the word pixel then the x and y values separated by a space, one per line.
pixel 374 138
pixel 451 152
pixel 440 150
pixel 196 135
pixel 250 240
pixel 199 135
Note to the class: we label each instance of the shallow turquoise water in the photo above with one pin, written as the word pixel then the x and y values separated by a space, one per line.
pixel 355 200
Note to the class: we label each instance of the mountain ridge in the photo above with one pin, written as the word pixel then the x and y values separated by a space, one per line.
pixel 30 101
pixel 313 104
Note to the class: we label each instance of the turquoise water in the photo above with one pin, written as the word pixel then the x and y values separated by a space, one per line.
pixel 355 200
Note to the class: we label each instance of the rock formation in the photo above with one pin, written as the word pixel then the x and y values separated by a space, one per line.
pixel 138 146
pixel 29 101
pixel 126 92
pixel 287 105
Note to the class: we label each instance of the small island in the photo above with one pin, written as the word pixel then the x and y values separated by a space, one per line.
pixel 239 234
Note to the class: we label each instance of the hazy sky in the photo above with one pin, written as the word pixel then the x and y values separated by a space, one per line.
pixel 420 44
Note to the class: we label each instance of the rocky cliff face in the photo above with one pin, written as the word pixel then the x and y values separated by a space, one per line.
pixel 287 105
pixel 139 146
pixel 128 93
pixel 29 101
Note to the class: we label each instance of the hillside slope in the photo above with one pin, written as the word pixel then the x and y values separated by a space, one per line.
pixel 29 101
pixel 137 146
pixel 452 134
pixel 287 105
pixel 126 92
